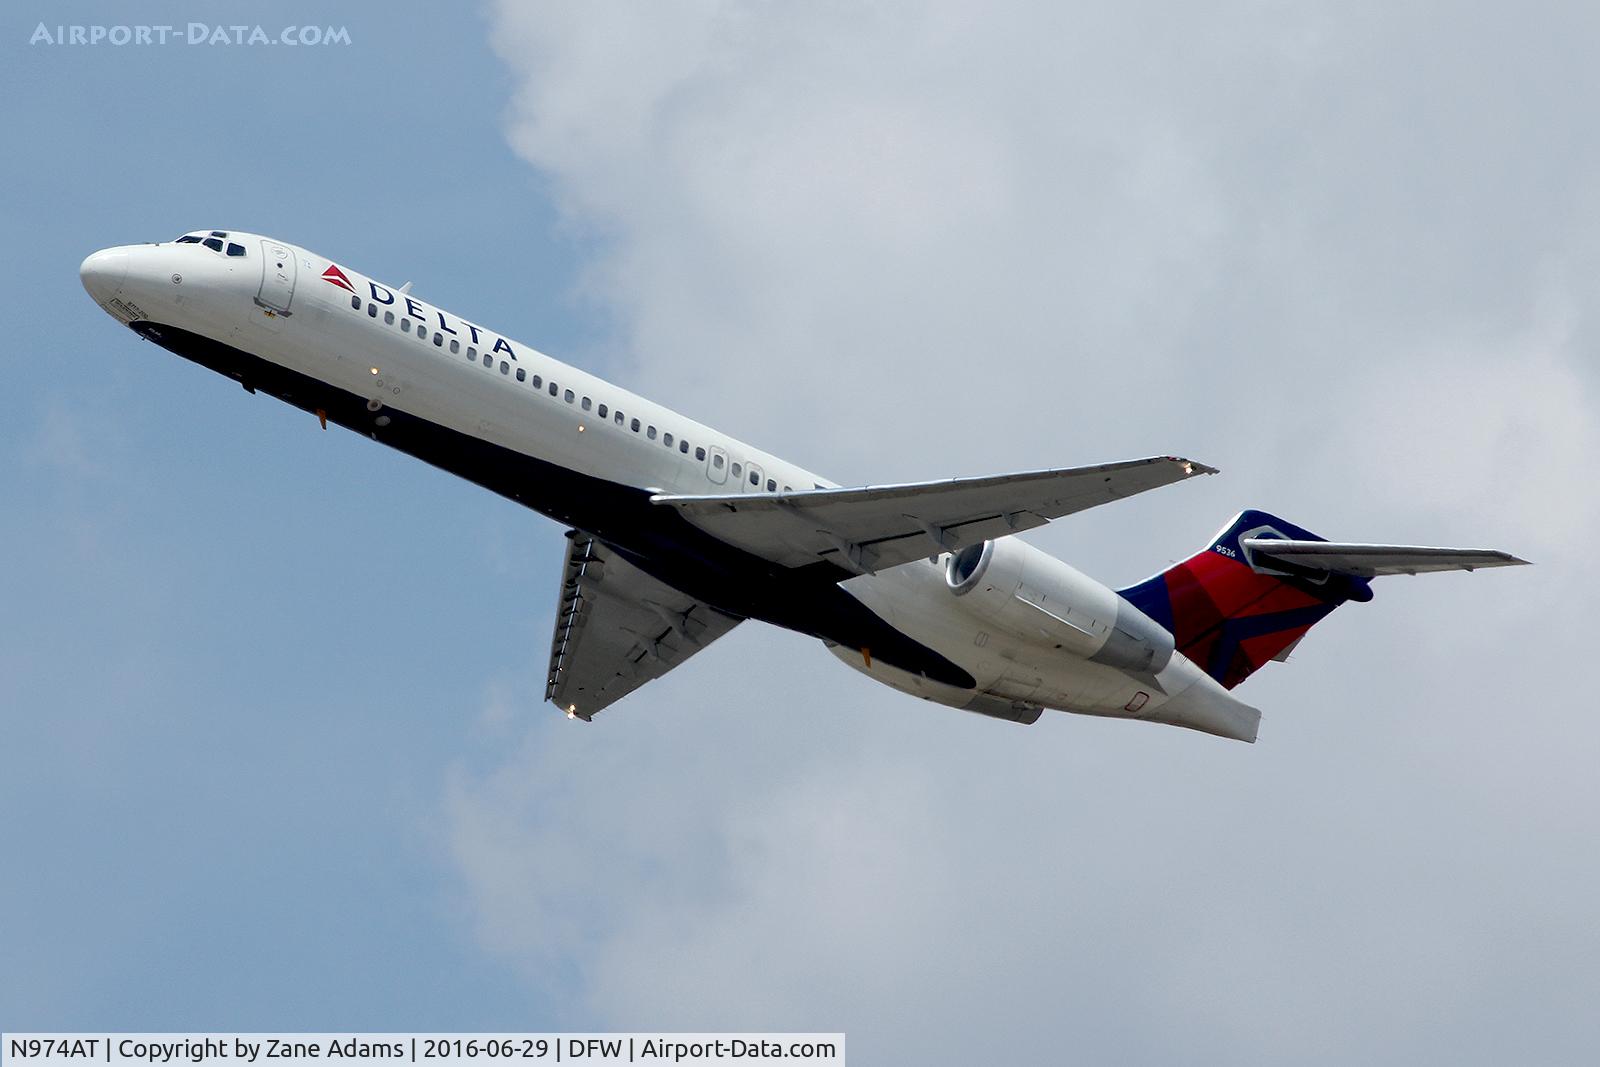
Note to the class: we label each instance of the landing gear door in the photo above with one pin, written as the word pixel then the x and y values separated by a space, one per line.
pixel 277 277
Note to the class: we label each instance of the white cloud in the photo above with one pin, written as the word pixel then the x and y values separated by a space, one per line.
pixel 1322 249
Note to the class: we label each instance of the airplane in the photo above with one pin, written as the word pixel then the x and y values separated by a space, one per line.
pixel 679 532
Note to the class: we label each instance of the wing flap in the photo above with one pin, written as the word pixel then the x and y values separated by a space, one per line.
pixel 618 628
pixel 874 527
pixel 1368 561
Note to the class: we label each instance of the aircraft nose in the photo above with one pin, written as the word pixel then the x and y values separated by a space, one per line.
pixel 103 273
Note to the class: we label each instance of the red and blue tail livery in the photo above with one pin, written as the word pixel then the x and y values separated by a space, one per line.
pixel 1232 612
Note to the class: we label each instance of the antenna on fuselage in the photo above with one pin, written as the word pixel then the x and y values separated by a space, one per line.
pixel 406 288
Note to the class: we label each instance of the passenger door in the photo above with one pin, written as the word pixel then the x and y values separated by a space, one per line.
pixel 277 277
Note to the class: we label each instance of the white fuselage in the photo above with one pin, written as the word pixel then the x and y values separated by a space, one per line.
pixel 279 303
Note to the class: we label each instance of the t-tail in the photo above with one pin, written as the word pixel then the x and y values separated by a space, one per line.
pixel 1253 592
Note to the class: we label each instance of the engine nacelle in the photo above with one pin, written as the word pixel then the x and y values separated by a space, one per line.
pixel 1038 598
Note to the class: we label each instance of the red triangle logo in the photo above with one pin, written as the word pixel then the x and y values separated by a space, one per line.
pixel 336 276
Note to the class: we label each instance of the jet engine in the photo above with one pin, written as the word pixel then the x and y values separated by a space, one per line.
pixel 1038 598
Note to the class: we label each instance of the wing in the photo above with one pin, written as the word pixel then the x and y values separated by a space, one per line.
pixel 617 628
pixel 1368 561
pixel 869 529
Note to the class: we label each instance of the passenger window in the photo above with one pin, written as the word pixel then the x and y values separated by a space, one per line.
pixel 537 382
pixel 522 375
pixel 372 311
pixel 585 404
pixel 683 446
pixel 787 489
pixel 755 478
pixel 213 244
pixel 635 426
pixel 716 461
pixel 505 368
pixel 602 411
pixel 388 318
pixel 772 486
pixel 666 439
pixel 472 354
pixel 738 469
pixel 619 418
pixel 699 453
pixel 422 334
pixel 650 432
pixel 405 325
pixel 554 389
pixel 235 250
pixel 568 396
pixel 488 359
pixel 355 303
pixel 438 340
pixel 455 346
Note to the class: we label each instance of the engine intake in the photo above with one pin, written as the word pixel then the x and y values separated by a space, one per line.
pixel 1040 599
pixel 966 567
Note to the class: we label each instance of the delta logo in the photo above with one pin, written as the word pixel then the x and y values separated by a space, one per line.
pixel 424 317
pixel 336 276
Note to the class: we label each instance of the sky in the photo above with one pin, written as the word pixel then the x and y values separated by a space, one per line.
pixel 270 697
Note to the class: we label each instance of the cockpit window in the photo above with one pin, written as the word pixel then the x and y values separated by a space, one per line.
pixel 213 242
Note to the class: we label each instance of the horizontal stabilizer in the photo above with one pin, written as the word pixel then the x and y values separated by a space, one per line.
pixel 875 527
pixel 1269 555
